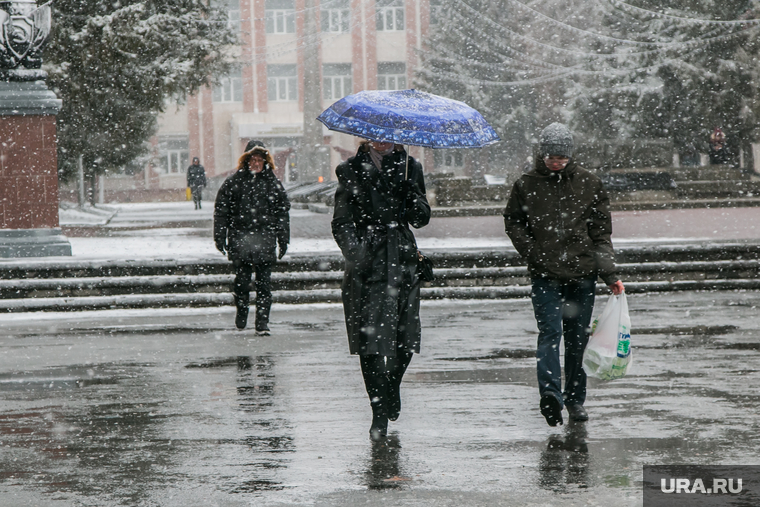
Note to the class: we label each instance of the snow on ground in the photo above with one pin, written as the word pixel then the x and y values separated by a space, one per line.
pixel 176 230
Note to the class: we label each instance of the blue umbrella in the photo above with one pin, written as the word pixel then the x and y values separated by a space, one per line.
pixel 409 117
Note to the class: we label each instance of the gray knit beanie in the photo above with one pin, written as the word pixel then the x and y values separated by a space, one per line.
pixel 557 140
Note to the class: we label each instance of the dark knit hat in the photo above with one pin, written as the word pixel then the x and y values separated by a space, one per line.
pixel 556 140
pixel 252 144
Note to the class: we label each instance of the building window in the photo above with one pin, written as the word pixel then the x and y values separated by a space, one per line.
pixel 391 76
pixel 436 11
pixel 336 17
pixel 280 16
pixel 173 155
pixel 390 15
pixel 230 89
pixel 448 159
pixel 336 80
pixel 282 83
pixel 232 8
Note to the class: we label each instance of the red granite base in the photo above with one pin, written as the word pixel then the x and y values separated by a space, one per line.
pixel 28 172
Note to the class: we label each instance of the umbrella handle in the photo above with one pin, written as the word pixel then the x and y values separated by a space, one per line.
pixel 406 170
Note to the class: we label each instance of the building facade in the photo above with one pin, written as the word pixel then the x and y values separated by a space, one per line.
pixel 361 45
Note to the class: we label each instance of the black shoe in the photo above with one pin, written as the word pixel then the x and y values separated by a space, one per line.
pixel 241 317
pixel 576 412
pixel 551 410
pixel 262 329
pixel 394 401
pixel 379 429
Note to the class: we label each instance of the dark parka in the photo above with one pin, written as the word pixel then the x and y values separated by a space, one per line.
pixel 373 211
pixel 196 176
pixel 560 222
pixel 251 216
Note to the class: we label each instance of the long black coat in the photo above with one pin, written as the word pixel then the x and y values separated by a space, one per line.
pixel 373 211
pixel 251 215
pixel 560 222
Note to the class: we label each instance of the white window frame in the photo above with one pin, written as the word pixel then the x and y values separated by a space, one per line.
pixel 174 154
pixel 279 21
pixel 336 87
pixel 336 20
pixel 335 84
pixel 233 19
pixel 174 161
pixel 391 80
pixel 282 87
pixel 436 12
pixel 390 17
pixel 230 89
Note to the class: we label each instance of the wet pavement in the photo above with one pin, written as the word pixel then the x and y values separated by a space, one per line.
pixel 175 407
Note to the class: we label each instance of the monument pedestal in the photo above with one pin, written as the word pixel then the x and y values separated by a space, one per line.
pixel 29 224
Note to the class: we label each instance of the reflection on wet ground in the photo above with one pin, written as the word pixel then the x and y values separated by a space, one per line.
pixel 177 408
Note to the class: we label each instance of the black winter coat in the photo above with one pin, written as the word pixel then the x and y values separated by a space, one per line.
pixel 373 211
pixel 251 215
pixel 196 176
pixel 560 222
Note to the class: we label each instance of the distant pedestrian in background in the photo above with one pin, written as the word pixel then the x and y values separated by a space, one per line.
pixel 558 219
pixel 196 180
pixel 251 218
pixel 718 151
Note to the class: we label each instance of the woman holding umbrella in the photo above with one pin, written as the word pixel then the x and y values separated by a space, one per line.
pixel 381 192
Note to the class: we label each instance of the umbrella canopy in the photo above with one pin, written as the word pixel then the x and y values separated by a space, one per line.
pixel 409 117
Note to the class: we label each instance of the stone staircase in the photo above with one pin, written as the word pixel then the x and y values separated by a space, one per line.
pixel 66 285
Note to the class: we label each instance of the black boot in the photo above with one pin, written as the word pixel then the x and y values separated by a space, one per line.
pixel 379 429
pixel 576 412
pixel 376 382
pixel 262 319
pixel 241 317
pixel 396 369
pixel 551 409
pixel 394 400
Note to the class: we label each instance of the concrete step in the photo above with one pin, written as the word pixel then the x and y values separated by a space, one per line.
pixel 333 296
pixel 702 189
pixel 708 173
pixel 331 280
pixel 465 273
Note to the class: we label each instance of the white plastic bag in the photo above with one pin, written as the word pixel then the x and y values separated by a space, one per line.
pixel 608 353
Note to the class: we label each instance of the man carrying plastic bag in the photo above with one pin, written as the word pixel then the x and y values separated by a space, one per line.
pixel 558 219
pixel 608 353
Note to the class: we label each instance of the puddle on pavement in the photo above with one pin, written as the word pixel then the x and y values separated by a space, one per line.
pixel 384 471
pixel 685 330
pixel 496 354
pixel 526 376
pixel 116 431
pixel 740 346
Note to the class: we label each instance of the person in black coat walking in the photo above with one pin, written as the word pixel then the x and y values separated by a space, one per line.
pixel 251 218
pixel 196 180
pixel 381 191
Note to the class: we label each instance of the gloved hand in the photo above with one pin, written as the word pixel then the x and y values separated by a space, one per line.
pixel 410 191
pixel 221 245
pixel 283 249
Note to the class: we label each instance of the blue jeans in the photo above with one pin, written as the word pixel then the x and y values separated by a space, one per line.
pixel 562 308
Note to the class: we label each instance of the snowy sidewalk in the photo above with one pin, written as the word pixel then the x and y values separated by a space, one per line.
pixel 177 231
